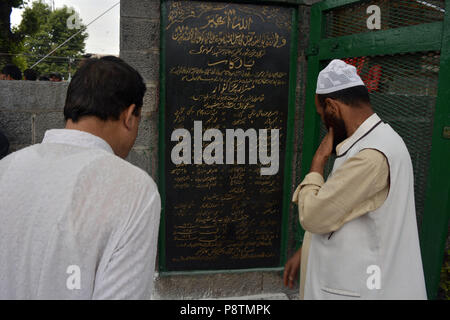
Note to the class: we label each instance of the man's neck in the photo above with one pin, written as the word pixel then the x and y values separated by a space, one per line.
pixel 95 126
pixel 356 119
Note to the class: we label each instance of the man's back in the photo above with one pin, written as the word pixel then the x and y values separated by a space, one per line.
pixel 77 222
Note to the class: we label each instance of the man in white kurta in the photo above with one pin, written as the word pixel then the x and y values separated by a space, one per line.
pixel 361 240
pixel 77 221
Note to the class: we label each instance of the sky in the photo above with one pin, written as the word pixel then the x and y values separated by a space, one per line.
pixel 103 34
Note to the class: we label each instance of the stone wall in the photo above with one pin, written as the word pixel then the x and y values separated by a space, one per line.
pixel 29 108
pixel 140 46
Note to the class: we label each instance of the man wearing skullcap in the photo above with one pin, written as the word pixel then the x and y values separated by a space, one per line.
pixel 361 239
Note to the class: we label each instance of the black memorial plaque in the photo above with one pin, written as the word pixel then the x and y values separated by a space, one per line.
pixel 226 65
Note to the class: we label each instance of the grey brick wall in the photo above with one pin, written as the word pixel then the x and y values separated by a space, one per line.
pixel 139 46
pixel 28 109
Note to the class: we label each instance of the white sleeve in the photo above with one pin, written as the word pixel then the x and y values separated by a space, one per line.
pixel 129 273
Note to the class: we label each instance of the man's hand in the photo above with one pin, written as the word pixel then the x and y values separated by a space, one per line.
pixel 323 153
pixel 291 269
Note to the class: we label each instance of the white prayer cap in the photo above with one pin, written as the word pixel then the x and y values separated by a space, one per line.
pixel 338 75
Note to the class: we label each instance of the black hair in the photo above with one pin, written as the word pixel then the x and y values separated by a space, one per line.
pixel 354 96
pixel 31 74
pixel 104 88
pixel 4 145
pixel 13 71
pixel 56 75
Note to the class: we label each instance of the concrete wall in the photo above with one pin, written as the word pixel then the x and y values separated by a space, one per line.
pixel 139 38
pixel 28 109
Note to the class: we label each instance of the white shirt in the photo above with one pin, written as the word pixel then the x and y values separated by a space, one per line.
pixel 77 222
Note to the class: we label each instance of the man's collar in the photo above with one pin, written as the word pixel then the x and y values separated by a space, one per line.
pixel 362 130
pixel 76 138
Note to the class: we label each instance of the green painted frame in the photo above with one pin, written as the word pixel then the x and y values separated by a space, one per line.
pixel 429 37
pixel 437 206
pixel 289 144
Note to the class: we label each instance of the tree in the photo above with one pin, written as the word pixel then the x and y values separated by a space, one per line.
pixel 7 37
pixel 43 30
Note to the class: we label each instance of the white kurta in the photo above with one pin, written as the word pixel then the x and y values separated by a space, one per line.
pixel 77 222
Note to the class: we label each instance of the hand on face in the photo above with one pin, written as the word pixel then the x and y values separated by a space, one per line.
pixel 326 147
pixel 332 120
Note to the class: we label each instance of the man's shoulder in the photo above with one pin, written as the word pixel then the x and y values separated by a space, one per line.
pixel 120 171
pixel 372 155
pixel 87 167
pixel 116 189
pixel 25 152
pixel 386 140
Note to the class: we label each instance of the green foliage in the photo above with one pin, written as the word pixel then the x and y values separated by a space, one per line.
pixel 7 38
pixel 43 31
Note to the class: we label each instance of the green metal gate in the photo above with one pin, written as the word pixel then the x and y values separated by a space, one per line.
pixel 405 64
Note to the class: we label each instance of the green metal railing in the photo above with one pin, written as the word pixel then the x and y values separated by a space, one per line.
pixel 405 64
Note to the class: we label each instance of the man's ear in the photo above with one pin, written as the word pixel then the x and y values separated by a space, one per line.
pixel 333 106
pixel 128 117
